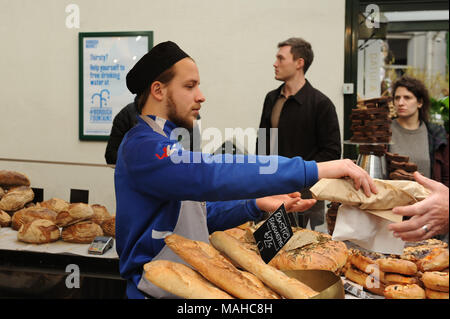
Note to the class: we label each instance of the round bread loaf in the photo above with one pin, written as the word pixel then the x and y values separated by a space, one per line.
pixel 16 198
pixel 5 219
pixel 81 233
pixel 12 178
pixel 27 215
pixel 109 226
pixel 55 204
pixel 100 214
pixel 39 231
pixel 75 213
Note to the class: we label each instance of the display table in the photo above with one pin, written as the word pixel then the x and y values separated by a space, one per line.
pixel 53 258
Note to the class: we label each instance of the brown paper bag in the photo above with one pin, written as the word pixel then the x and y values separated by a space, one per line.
pixel 390 193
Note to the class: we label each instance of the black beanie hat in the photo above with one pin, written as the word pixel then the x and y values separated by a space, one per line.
pixel 152 64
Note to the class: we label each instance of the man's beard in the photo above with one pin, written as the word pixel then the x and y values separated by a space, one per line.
pixel 175 117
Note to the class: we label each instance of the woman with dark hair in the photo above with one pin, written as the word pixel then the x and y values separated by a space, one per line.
pixel 413 135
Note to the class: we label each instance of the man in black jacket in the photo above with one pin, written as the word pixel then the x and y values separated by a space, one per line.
pixel 306 119
pixel 123 121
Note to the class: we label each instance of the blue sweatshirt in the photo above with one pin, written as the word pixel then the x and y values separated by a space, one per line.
pixel 151 182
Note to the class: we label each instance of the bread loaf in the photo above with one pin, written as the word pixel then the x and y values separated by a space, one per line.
pixel 16 198
pixel 181 280
pixel 81 233
pixel 27 215
pixel 5 219
pixel 12 178
pixel 76 212
pixel 250 261
pixel 39 231
pixel 436 260
pixel 398 266
pixel 404 292
pixel 214 267
pixel 100 214
pixel 109 226
pixel 55 204
pixel 436 280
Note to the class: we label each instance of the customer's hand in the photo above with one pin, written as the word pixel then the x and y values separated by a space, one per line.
pixel 346 168
pixel 429 217
pixel 292 202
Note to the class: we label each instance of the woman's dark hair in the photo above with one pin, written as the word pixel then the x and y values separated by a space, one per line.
pixel 164 78
pixel 419 90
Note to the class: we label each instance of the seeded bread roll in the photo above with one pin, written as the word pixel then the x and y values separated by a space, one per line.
pixel 27 215
pixel 39 231
pixel 214 267
pixel 250 261
pixel 181 280
pixel 76 212
pixel 12 178
pixel 81 233
pixel 16 198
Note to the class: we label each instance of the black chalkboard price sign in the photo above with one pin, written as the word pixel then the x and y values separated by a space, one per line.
pixel 273 234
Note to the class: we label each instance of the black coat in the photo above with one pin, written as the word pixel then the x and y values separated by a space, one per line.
pixel 308 125
pixel 122 123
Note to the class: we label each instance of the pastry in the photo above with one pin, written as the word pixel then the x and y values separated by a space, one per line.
pixel 435 280
pixel 398 266
pixel 436 260
pixel 433 294
pixel 393 279
pixel 404 292
pixel 368 282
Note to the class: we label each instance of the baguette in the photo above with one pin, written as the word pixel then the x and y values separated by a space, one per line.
pixel 249 260
pixel 181 280
pixel 214 267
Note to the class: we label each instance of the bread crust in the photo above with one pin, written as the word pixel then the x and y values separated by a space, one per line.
pixel 214 267
pixel 181 280
pixel 250 261
pixel 109 226
pixel 16 198
pixel 81 233
pixel 5 219
pixel 393 279
pixel 370 283
pixel 29 214
pixel 398 266
pixel 404 292
pixel 38 231
pixel 100 214
pixel 76 212
pixel 13 178
pixel 436 280
pixel 55 204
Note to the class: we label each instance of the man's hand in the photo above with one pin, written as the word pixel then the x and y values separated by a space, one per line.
pixel 346 168
pixel 292 203
pixel 429 217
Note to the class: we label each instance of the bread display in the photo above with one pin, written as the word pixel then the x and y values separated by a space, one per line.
pixel 218 270
pixel 404 292
pixel 109 226
pixel 250 261
pixel 39 231
pixel 55 204
pixel 12 178
pixel 100 214
pixel 75 213
pixel 16 198
pixel 5 219
pixel 27 215
pixel 81 233
pixel 181 280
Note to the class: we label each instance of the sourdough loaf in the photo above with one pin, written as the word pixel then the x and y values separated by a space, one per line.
pixel 38 231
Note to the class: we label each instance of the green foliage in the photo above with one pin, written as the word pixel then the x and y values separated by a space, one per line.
pixel 440 107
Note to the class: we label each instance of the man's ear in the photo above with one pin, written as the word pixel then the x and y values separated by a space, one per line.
pixel 157 90
pixel 300 63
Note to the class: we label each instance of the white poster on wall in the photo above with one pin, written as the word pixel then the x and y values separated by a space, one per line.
pixel 106 62
pixel 372 69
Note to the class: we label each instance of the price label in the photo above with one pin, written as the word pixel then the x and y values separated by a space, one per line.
pixel 273 234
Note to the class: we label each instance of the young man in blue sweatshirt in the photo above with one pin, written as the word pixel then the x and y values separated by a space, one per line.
pixel 163 189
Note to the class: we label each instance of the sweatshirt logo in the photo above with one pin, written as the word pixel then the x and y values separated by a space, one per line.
pixel 167 151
